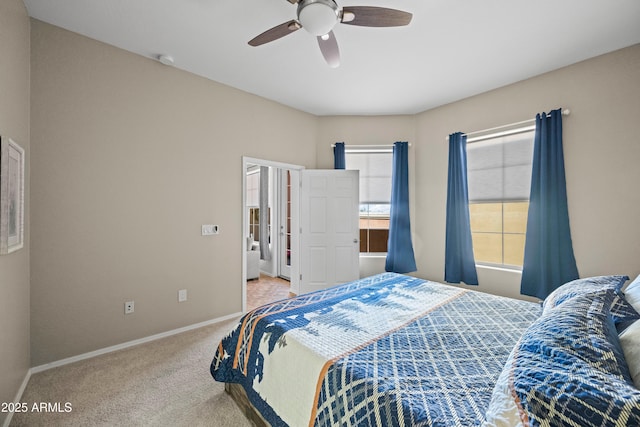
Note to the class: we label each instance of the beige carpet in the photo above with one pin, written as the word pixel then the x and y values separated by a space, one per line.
pixel 161 383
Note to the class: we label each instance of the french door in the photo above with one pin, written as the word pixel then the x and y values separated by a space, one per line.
pixel 284 223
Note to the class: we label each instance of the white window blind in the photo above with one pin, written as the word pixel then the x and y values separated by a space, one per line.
pixel 500 168
pixel 375 174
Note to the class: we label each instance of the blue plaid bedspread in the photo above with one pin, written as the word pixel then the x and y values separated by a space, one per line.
pixel 382 351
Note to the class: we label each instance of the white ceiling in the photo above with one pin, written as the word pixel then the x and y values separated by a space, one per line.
pixel 451 50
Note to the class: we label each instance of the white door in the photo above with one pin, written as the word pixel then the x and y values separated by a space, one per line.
pixel 329 228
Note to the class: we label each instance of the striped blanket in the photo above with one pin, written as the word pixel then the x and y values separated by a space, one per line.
pixel 385 350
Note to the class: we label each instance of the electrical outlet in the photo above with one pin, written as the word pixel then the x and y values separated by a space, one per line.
pixel 182 295
pixel 128 307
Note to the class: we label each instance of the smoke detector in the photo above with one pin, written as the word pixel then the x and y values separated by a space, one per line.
pixel 165 59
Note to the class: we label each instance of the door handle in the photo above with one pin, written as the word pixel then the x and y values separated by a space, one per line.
pixel 355 240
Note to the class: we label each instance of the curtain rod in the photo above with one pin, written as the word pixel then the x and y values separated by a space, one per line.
pixel 367 146
pixel 565 112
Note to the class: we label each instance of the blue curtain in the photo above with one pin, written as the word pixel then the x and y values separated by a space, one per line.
pixel 459 264
pixel 400 258
pixel 548 252
pixel 338 156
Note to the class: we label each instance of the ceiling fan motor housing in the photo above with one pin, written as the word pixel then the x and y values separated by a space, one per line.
pixel 318 17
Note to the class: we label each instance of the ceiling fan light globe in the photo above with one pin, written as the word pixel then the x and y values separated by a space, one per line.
pixel 318 16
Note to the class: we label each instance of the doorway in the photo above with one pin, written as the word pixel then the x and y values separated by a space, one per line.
pixel 282 259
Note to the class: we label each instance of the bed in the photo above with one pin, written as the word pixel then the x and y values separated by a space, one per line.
pixel 394 350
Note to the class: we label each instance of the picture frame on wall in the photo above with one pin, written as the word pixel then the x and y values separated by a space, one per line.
pixel 11 196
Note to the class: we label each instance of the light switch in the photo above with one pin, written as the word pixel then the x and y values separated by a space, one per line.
pixel 210 229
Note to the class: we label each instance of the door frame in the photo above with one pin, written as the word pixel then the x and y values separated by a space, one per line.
pixel 295 180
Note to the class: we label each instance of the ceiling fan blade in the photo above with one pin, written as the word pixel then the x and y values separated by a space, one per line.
pixel 329 48
pixel 370 16
pixel 275 33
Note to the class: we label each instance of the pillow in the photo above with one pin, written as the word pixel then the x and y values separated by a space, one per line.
pixel 634 284
pixel 630 343
pixel 567 369
pixel 622 312
pixel 581 287
pixel 632 294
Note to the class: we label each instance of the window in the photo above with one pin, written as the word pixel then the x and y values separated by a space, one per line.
pixel 499 176
pixel 253 188
pixel 375 166
pixel 253 202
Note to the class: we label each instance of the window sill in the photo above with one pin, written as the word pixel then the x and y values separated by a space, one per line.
pixel 496 268
pixel 373 255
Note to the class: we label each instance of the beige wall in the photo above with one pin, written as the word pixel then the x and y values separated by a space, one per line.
pixel 14 267
pixel 130 158
pixel 602 150
pixel 367 130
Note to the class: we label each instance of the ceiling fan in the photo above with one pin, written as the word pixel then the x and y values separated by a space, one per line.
pixel 319 17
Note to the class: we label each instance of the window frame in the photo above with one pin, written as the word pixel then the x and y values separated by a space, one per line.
pixel 372 150
pixel 502 235
pixel 502 202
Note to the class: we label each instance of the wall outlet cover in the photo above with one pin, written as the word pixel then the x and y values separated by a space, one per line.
pixel 129 307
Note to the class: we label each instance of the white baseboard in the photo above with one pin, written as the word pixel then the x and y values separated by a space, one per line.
pixel 25 381
pixel 127 344
pixel 106 350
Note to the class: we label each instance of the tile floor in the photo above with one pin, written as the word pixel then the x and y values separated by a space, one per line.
pixel 266 289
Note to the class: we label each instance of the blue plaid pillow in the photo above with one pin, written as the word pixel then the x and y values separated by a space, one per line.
pixel 582 286
pixel 569 369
